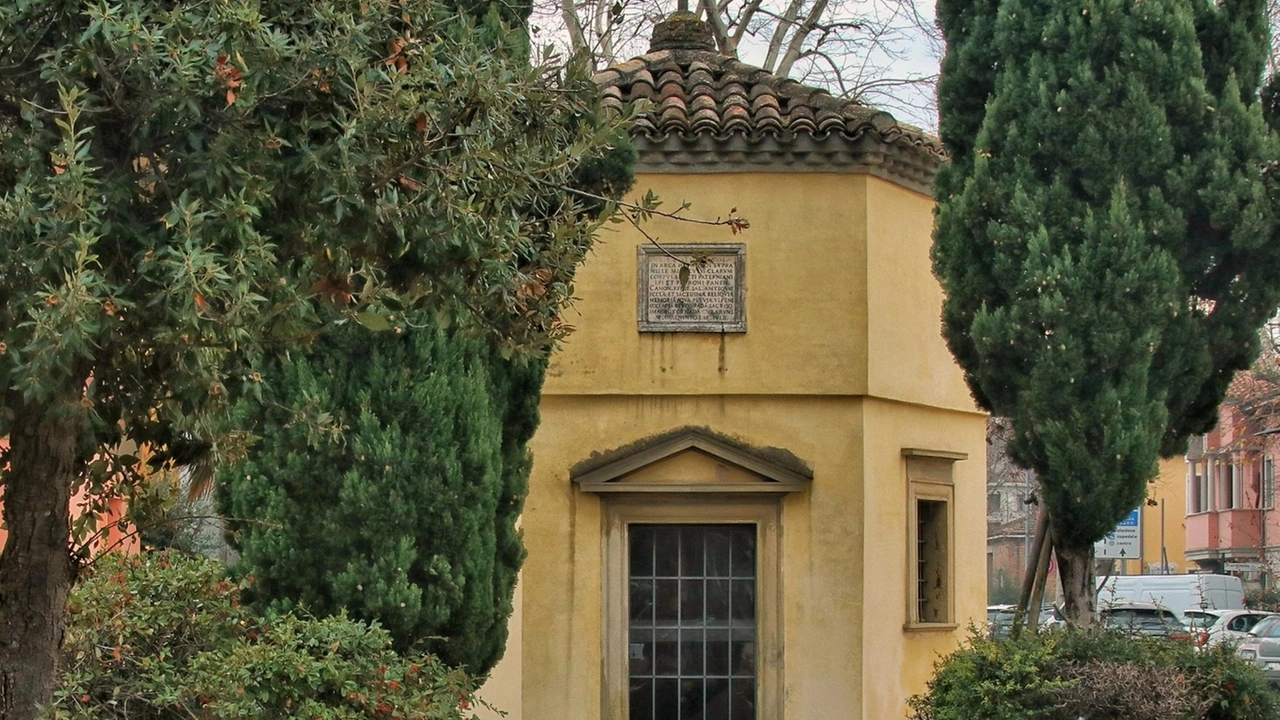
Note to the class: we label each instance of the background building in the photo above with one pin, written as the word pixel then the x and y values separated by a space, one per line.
pixel 1232 523
pixel 1011 523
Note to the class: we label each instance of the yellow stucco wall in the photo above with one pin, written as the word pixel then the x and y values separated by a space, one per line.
pixel 807 232
pixel 899 663
pixel 1169 490
pixel 842 365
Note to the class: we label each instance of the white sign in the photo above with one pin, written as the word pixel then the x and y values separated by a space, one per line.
pixel 1242 567
pixel 1125 542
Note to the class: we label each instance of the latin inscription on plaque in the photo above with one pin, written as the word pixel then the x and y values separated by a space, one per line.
pixel 692 288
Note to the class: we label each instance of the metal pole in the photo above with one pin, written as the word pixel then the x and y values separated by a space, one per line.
pixel 1026 517
pixel 1164 551
pixel 1262 525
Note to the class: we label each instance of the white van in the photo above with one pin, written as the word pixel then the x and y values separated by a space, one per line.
pixel 1178 593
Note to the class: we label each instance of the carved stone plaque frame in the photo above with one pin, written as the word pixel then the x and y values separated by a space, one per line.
pixel 710 298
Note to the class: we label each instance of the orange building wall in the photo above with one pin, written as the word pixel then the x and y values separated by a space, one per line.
pixel 112 537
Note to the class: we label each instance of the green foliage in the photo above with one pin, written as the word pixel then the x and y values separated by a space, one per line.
pixel 188 187
pixel 1070 674
pixel 1105 233
pixel 611 175
pixel 184 183
pixel 164 636
pixel 407 514
pixel 1268 599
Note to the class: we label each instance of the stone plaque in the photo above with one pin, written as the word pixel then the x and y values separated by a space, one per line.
pixel 709 297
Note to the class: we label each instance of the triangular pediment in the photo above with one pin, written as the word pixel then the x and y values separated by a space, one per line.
pixel 692 460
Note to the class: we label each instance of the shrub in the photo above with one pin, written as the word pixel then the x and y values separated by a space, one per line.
pixel 1268 599
pixel 163 635
pixel 407 515
pixel 1076 674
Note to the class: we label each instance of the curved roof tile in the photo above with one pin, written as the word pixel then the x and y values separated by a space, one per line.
pixel 697 95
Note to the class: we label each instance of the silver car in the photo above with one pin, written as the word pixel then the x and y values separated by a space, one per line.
pixel 1262 647
pixel 1142 619
pixel 1215 627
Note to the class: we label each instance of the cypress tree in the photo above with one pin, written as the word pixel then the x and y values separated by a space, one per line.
pixel 406 513
pixel 1104 236
pixel 401 506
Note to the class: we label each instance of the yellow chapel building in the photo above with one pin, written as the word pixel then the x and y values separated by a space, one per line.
pixel 758 486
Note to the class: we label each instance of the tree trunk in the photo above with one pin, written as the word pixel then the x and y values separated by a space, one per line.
pixel 1075 576
pixel 35 564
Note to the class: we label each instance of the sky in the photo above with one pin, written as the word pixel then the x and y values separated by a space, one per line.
pixel 909 53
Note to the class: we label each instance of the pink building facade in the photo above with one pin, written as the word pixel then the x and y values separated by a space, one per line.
pixel 1233 526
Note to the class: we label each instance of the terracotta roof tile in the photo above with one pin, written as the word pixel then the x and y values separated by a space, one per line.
pixel 670 90
pixel 697 92
pixel 760 102
pixel 703 102
pixel 699 77
pixel 702 109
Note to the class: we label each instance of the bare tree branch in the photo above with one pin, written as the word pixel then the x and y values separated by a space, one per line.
pixel 1273 21
pixel 719 28
pixel 799 36
pixel 785 23
pixel 572 25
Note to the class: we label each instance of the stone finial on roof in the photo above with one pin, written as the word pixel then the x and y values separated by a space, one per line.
pixel 682 30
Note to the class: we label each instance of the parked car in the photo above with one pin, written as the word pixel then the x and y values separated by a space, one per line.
pixel 1262 647
pixel 1213 627
pixel 1143 619
pixel 1051 616
pixel 1000 619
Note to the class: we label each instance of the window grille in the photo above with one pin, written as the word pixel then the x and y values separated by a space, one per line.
pixel 692 622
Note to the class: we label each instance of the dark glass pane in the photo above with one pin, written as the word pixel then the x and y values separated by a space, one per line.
pixel 744 600
pixel 666 655
pixel 667 600
pixel 691 601
pixel 717 699
pixel 743 654
pixel 641 550
pixel 717 602
pixel 717 652
pixel 691 644
pixel 743 700
pixel 691 653
pixel 744 552
pixel 666 701
pixel 691 698
pixel 667 549
pixel 691 540
pixel 642 602
pixel 642 700
pixel 717 551
pixel 640 652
